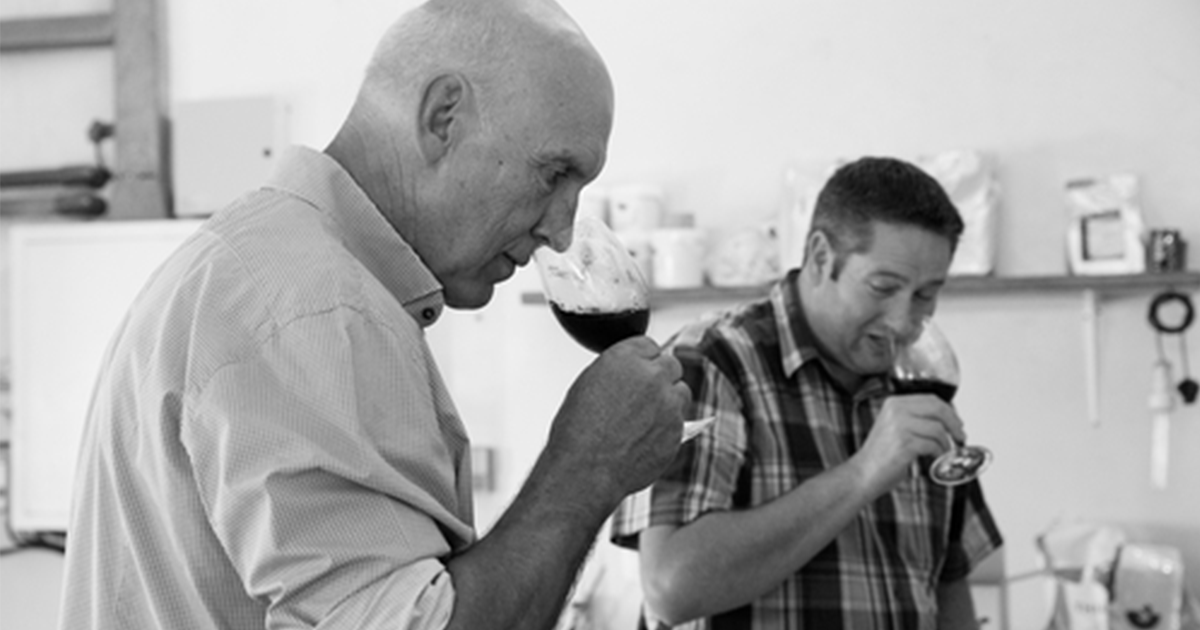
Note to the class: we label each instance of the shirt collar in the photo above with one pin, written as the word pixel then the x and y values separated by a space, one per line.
pixel 797 344
pixel 319 180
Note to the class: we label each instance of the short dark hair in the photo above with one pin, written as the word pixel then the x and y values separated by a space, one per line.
pixel 881 190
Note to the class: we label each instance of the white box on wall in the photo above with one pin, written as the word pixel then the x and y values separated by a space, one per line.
pixel 222 149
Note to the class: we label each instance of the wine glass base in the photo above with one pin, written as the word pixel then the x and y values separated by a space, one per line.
pixel 961 465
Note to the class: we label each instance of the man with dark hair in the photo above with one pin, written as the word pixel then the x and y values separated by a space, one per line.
pixel 270 443
pixel 797 508
pixel 880 189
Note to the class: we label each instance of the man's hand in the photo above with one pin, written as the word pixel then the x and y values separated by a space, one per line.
pixel 622 419
pixel 907 427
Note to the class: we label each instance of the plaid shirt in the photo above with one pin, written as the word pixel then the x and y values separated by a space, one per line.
pixel 782 420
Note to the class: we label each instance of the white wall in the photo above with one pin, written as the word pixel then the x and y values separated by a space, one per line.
pixel 714 98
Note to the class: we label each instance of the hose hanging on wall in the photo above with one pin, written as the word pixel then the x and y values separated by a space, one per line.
pixel 1164 325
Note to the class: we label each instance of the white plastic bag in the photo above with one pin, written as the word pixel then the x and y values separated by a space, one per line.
pixel 969 180
pixel 1148 588
pixel 1106 230
pixel 1104 582
pixel 743 256
pixel 1081 557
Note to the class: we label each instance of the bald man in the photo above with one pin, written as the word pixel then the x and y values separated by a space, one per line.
pixel 270 443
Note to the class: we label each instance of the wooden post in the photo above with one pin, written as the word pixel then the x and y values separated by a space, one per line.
pixel 141 186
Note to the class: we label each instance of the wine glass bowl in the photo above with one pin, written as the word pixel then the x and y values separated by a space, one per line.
pixel 595 288
pixel 927 364
pixel 598 294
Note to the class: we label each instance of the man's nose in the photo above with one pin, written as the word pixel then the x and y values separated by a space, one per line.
pixel 560 240
pixel 556 228
pixel 904 322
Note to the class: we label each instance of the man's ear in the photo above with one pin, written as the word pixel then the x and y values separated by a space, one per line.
pixel 445 107
pixel 820 254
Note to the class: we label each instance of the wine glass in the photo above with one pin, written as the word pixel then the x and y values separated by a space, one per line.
pixel 927 365
pixel 597 292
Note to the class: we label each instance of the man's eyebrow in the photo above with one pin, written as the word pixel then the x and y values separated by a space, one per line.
pixel 888 275
pixel 892 275
pixel 562 158
pixel 566 159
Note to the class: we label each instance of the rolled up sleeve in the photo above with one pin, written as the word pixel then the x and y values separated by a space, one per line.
pixel 329 486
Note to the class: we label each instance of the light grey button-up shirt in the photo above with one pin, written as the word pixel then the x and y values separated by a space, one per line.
pixel 270 443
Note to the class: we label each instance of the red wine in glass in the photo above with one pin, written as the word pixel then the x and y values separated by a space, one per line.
pixel 942 390
pixel 597 330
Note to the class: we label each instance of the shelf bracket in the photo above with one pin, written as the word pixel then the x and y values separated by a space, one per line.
pixel 1091 365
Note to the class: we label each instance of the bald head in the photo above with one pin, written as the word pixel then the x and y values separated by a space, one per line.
pixel 510 52
pixel 477 124
pixel 468 32
pixel 499 46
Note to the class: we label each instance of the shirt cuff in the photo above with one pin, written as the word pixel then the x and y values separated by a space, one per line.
pixel 417 597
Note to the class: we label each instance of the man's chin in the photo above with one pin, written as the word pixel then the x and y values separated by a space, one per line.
pixel 472 296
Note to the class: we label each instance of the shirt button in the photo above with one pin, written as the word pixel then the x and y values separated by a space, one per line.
pixel 428 313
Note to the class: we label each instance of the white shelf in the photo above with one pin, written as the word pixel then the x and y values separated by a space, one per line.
pixel 956 286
